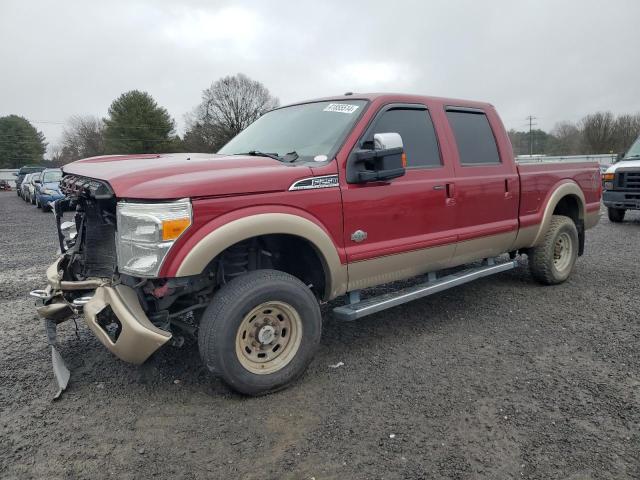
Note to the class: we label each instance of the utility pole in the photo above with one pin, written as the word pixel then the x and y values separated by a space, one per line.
pixel 531 118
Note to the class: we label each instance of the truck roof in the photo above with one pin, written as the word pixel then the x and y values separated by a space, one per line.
pixel 389 97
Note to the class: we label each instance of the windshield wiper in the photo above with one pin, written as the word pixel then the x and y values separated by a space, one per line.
pixel 631 156
pixel 258 153
pixel 291 157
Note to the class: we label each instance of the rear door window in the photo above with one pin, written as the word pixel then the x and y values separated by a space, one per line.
pixel 418 135
pixel 474 137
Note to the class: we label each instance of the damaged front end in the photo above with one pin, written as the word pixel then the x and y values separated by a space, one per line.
pixel 84 280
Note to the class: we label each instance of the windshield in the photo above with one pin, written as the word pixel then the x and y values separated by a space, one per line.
pixel 35 176
pixel 52 176
pixel 634 151
pixel 313 130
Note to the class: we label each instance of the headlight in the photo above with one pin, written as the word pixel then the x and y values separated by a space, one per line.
pixel 146 232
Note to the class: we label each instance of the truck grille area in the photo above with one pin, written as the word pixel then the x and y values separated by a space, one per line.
pixel 98 244
pixel 93 201
pixel 76 186
pixel 628 180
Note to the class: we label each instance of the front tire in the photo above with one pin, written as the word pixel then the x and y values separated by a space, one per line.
pixel 260 331
pixel 616 215
pixel 552 261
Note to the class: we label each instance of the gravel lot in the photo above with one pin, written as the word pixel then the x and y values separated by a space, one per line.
pixel 502 378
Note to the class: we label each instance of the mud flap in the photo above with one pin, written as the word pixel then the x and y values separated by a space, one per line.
pixel 60 370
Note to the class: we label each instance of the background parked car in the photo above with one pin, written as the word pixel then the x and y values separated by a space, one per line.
pixel 24 184
pixel 22 173
pixel 31 187
pixel 47 188
pixel 4 185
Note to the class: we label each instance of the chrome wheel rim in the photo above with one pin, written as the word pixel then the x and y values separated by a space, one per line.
pixel 269 337
pixel 562 252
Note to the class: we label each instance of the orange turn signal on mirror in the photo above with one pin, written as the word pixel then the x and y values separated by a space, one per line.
pixel 404 160
pixel 607 177
pixel 172 229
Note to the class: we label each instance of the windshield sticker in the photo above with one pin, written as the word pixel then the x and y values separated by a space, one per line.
pixel 341 108
pixel 320 158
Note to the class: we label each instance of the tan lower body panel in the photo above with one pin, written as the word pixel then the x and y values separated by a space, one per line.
pixel 377 271
pixel 591 219
pixel 139 338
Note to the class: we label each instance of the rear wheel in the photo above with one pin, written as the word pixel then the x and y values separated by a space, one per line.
pixel 552 261
pixel 616 215
pixel 260 331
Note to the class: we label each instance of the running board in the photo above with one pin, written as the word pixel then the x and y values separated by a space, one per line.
pixel 366 307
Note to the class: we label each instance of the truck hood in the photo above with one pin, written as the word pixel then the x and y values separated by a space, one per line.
pixel 179 175
pixel 623 164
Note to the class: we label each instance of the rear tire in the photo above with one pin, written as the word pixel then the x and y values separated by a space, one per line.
pixel 552 261
pixel 616 215
pixel 260 331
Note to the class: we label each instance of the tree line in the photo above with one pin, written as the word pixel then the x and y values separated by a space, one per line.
pixel 135 123
pixel 600 132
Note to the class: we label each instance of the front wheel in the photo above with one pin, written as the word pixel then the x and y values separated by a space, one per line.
pixel 260 331
pixel 552 261
pixel 616 215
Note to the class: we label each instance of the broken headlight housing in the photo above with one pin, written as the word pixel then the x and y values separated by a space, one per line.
pixel 146 232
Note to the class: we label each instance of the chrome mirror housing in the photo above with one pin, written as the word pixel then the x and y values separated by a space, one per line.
pixel 385 141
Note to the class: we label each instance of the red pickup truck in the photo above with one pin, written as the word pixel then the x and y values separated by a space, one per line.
pixel 311 202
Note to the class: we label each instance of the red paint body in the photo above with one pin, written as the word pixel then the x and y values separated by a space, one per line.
pixel 398 216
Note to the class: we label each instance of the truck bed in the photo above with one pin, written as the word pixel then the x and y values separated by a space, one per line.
pixel 539 179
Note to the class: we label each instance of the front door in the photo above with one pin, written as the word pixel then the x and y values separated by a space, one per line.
pixel 398 229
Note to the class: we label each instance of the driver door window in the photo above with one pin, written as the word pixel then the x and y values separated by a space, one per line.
pixel 417 132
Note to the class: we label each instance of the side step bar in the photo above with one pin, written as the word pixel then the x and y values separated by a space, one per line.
pixel 366 307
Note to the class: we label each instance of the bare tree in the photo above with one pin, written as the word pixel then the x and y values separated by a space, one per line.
pixel 598 132
pixel 567 139
pixel 82 137
pixel 626 130
pixel 228 106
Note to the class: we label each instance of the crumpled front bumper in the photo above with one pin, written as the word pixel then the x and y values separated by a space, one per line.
pixel 112 311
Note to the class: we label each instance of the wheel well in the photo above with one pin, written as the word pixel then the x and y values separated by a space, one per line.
pixel 287 253
pixel 571 206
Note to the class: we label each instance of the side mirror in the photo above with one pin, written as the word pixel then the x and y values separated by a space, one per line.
pixel 620 156
pixel 37 181
pixel 384 162
pixel 15 174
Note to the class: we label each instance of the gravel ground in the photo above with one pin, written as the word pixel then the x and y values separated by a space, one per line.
pixel 502 378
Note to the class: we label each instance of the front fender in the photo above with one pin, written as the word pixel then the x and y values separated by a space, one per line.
pixel 193 258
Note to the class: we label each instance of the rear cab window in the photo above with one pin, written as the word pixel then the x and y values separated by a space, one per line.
pixel 474 137
pixel 414 125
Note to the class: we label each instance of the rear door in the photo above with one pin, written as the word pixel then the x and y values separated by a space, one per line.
pixel 486 187
pixel 401 228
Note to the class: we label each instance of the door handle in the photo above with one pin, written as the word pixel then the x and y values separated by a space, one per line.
pixel 507 194
pixel 438 187
pixel 451 194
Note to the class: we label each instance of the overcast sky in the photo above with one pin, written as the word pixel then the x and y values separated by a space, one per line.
pixel 554 59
